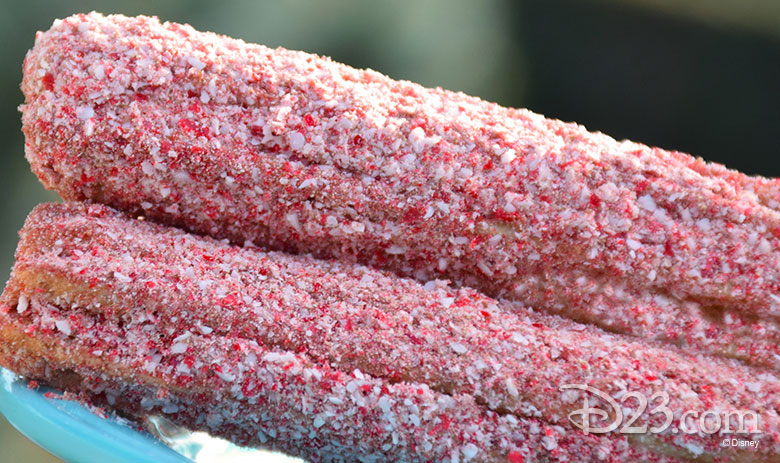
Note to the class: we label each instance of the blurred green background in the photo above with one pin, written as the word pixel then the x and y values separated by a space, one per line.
pixel 702 76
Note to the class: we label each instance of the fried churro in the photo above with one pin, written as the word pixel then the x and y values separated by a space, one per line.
pixel 142 305
pixel 295 152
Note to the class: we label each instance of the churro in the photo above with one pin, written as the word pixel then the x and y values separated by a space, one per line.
pixel 87 277
pixel 295 152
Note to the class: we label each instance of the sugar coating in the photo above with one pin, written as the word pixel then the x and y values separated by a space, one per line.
pixel 188 294
pixel 256 396
pixel 281 401
pixel 296 152
pixel 153 338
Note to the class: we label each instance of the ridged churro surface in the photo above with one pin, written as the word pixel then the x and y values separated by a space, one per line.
pixel 296 152
pixel 330 360
pixel 81 267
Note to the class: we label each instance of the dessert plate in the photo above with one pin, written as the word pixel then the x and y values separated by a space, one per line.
pixel 70 431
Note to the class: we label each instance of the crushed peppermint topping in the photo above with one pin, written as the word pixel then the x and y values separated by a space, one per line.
pixel 249 144
pixel 196 308
pixel 243 142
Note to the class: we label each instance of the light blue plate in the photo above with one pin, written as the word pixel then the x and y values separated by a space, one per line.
pixel 71 432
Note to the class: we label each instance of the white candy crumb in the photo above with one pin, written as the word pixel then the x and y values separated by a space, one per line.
pixel 646 202
pixel 508 156
pixel 753 387
pixel 395 250
pixel 64 326
pixel 469 451
pixel 458 348
pixel 147 167
pixel 122 277
pixel 170 408
pixel 24 302
pixel 292 219
pixel 297 141
pixel 179 348
pixel 84 112
pixel 196 63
